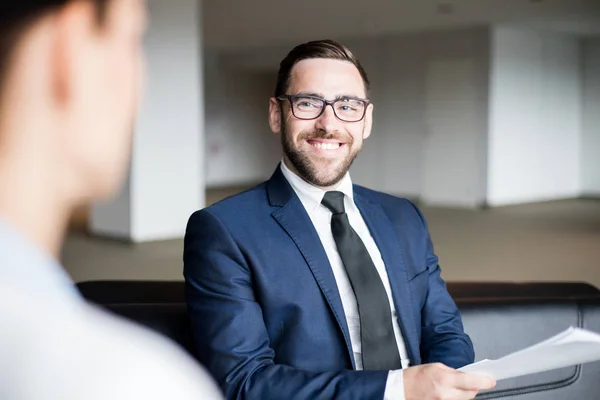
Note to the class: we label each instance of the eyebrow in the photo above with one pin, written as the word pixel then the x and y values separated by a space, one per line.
pixel 338 97
pixel 310 94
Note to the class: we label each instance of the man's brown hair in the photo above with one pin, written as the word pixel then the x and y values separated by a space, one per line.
pixel 316 49
pixel 16 16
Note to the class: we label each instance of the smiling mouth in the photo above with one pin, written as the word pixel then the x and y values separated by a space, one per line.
pixel 325 145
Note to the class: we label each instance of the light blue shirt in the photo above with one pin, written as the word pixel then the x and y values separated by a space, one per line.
pixel 22 263
pixel 53 345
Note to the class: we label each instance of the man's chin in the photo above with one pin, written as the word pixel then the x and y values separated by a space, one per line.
pixel 319 171
pixel 325 180
pixel 329 183
pixel 107 186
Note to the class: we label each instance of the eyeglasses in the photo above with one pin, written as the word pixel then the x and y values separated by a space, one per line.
pixel 312 107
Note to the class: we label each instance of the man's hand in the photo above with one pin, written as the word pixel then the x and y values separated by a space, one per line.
pixel 439 382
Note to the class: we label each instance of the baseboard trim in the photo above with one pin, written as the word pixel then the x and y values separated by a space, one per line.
pixel 590 196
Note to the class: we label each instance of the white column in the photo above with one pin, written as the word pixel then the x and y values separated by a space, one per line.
pixel 535 116
pixel 590 141
pixel 166 182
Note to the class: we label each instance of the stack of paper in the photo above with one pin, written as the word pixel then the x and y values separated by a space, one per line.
pixel 571 347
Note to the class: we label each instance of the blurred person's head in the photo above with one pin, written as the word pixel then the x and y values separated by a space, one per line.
pixel 70 74
pixel 321 139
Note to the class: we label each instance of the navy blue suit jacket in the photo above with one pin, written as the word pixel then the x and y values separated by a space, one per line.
pixel 266 314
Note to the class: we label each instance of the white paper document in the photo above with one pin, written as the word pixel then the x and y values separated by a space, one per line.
pixel 571 347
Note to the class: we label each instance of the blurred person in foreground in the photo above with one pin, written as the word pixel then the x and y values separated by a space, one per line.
pixel 329 289
pixel 70 71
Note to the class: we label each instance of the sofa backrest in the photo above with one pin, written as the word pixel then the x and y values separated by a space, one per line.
pixel 499 317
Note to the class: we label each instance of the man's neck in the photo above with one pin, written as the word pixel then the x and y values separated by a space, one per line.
pixel 32 205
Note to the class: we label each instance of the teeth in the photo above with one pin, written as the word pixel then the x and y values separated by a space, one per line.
pixel 326 146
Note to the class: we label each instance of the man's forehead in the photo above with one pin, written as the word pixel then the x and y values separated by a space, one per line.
pixel 328 76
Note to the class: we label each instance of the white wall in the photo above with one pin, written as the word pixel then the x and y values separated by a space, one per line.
pixel 535 109
pixel 111 218
pixel 166 180
pixel 590 143
pixel 240 148
pixel 167 168
pixel 391 159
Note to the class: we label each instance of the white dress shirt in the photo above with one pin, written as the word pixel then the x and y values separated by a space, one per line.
pixel 53 345
pixel 311 198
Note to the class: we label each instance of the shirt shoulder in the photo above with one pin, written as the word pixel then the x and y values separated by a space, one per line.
pixel 75 351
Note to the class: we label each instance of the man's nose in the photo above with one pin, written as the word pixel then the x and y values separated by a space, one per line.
pixel 327 121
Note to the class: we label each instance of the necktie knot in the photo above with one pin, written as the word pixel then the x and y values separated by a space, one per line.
pixel 334 201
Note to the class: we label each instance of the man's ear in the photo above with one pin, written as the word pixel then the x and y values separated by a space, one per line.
pixel 275 114
pixel 368 121
pixel 73 25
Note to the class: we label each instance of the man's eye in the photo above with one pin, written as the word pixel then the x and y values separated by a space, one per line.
pixel 349 106
pixel 308 104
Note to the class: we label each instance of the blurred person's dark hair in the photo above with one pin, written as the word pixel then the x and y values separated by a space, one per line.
pixel 17 16
pixel 328 49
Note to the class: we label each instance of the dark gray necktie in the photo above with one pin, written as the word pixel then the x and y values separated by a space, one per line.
pixel 379 347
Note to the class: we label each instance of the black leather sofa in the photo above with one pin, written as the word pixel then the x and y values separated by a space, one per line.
pixel 499 317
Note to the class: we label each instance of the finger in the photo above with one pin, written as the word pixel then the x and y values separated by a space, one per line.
pixel 441 366
pixel 465 381
pixel 470 394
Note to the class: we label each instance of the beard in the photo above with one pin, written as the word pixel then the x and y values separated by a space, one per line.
pixel 307 168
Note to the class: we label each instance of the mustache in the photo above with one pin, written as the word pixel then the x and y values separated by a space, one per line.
pixel 325 135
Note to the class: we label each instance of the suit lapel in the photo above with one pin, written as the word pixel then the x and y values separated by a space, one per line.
pixel 387 241
pixel 294 219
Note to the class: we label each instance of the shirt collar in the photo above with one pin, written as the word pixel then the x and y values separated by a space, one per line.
pixel 310 195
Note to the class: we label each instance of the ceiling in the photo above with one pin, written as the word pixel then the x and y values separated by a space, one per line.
pixel 246 24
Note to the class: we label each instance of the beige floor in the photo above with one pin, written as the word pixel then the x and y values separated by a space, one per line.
pixel 547 241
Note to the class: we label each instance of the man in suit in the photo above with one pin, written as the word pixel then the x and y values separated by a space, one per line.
pixel 307 287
